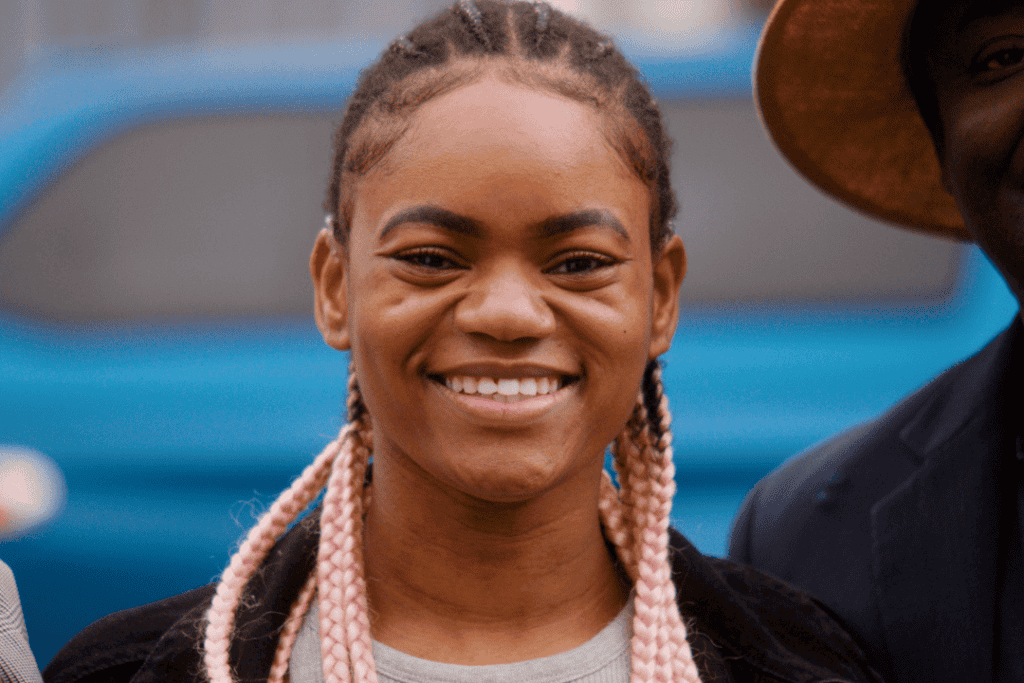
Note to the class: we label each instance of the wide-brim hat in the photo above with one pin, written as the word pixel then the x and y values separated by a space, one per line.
pixel 832 94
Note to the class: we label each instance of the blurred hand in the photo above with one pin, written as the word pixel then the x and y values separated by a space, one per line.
pixel 32 491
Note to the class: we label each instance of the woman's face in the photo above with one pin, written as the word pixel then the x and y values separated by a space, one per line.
pixel 498 294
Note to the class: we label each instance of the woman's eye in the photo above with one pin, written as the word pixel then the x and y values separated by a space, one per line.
pixel 993 60
pixel 430 260
pixel 576 265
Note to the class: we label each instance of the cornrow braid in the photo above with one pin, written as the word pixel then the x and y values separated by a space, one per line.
pixel 542 10
pixel 603 48
pixel 406 47
pixel 471 13
pixel 537 46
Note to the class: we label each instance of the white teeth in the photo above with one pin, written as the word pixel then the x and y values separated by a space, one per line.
pixel 503 389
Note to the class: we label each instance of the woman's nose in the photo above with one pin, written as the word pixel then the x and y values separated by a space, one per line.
pixel 505 305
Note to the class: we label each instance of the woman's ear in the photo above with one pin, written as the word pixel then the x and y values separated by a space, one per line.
pixel 328 266
pixel 669 270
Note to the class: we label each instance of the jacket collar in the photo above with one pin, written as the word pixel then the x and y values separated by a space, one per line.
pixel 935 540
pixel 967 394
pixel 719 602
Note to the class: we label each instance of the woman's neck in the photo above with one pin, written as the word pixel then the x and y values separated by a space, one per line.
pixel 464 581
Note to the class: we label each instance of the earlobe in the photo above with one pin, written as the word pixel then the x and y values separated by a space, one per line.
pixel 669 270
pixel 328 266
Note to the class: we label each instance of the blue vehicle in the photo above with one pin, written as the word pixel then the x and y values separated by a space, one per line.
pixel 156 341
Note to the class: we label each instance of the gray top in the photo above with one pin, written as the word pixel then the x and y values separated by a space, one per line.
pixel 602 659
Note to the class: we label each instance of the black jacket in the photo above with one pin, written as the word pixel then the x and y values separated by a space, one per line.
pixel 895 524
pixel 748 627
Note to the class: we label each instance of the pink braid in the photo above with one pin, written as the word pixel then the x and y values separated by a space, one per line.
pixel 684 664
pixel 283 653
pixel 631 468
pixel 635 519
pixel 220 618
pixel 282 656
pixel 344 614
pixel 661 652
pixel 648 604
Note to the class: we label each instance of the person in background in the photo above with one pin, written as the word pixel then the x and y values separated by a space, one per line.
pixel 910 527
pixel 17 664
pixel 499 262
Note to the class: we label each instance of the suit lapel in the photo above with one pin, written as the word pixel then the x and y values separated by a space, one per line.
pixel 935 564
pixel 935 537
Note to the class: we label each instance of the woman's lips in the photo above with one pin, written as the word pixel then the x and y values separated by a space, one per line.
pixel 506 401
pixel 504 389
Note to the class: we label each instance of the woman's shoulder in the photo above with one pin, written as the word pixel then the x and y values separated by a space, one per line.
pixel 752 620
pixel 113 649
pixel 162 641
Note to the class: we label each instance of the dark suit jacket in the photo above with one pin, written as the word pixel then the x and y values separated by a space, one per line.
pixel 895 524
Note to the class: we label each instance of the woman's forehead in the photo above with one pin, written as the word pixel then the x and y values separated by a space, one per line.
pixel 491 129
pixel 503 114
pixel 491 151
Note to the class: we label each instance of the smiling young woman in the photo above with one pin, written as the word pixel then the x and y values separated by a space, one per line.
pixel 499 261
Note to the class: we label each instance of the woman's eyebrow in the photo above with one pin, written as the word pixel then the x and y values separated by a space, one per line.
pixel 437 216
pixel 559 225
pixel 550 227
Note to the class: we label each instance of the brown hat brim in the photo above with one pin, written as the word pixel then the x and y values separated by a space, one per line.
pixel 832 94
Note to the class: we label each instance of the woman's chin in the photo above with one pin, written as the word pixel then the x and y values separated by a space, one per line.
pixel 510 469
pixel 515 482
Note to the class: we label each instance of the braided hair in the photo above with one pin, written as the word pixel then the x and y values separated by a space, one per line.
pixel 526 43
pixel 542 48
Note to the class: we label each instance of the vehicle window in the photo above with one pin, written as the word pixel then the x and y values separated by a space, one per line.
pixel 216 217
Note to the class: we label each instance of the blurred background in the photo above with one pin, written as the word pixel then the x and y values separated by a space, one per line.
pixel 162 166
